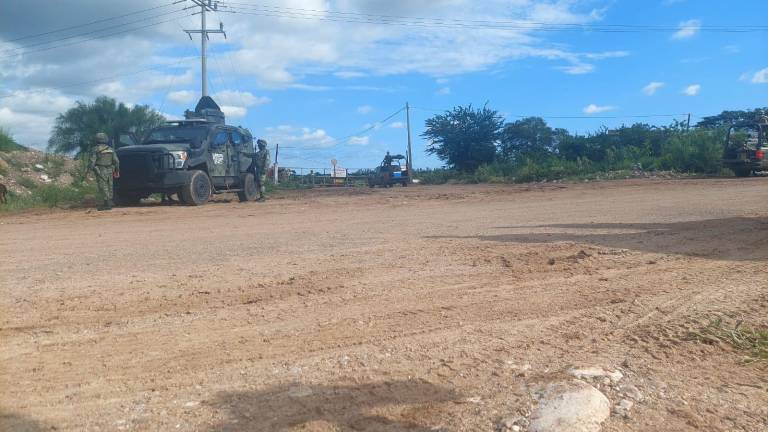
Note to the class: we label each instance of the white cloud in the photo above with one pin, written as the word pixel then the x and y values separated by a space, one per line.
pixel 29 115
pixel 577 69
pixel 233 111
pixel 359 140
pixel 652 88
pixel 183 97
pixel 349 74
pixel 397 125
pixel 239 98
pixel 303 137
pixel 442 81
pixel 235 103
pixel 597 109
pixel 760 77
pixel 687 29
pixel 692 90
pixel 364 109
pixel 443 91
pixel 606 55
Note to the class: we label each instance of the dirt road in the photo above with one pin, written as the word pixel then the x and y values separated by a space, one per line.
pixel 423 308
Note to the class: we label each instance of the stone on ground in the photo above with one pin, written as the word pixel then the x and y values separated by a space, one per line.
pixel 570 407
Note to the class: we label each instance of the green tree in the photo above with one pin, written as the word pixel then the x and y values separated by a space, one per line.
pixel 75 128
pixel 529 138
pixel 464 138
pixel 727 118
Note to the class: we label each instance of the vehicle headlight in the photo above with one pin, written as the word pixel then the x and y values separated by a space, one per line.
pixel 179 157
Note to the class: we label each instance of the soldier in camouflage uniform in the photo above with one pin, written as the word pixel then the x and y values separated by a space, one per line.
pixel 260 165
pixel 105 166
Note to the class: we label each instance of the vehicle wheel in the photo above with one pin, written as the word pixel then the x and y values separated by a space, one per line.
pixel 248 185
pixel 742 172
pixel 405 184
pixel 127 199
pixel 197 190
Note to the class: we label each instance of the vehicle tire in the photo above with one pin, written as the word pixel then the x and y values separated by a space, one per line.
pixel 742 171
pixel 127 199
pixel 405 184
pixel 197 191
pixel 248 186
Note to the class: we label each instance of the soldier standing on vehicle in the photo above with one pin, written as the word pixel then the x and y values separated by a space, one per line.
pixel 105 166
pixel 260 165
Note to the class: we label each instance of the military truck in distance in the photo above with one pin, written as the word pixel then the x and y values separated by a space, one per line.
pixel 745 147
pixel 390 172
pixel 194 158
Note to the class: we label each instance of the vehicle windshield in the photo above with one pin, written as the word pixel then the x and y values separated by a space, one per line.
pixel 188 134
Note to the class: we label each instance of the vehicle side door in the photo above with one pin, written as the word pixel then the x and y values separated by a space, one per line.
pixel 240 162
pixel 219 156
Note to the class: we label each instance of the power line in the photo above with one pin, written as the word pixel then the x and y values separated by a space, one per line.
pixel 96 37
pixel 361 18
pixel 24 47
pixel 94 22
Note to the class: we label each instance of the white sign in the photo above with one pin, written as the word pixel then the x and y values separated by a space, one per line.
pixel 339 172
pixel 218 158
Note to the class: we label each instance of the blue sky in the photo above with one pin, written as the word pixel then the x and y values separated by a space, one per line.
pixel 307 82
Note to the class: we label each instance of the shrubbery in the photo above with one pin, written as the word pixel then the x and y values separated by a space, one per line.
pixel 529 150
pixel 50 196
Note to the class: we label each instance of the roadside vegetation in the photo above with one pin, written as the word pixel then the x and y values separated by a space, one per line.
pixel 752 341
pixel 50 196
pixel 478 147
pixel 7 143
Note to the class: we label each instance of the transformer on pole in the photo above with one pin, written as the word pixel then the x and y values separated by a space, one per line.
pixel 205 6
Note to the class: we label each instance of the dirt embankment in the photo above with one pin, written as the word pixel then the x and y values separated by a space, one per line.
pixel 23 171
pixel 425 308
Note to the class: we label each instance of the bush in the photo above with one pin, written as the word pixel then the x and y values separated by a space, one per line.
pixel 27 183
pixel 7 143
pixel 49 196
pixel 699 151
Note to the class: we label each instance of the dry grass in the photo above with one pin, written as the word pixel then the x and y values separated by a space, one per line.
pixel 744 338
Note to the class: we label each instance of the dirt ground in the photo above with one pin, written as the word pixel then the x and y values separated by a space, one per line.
pixel 420 309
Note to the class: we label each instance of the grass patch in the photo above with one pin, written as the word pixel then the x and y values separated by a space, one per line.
pixel 49 196
pixel 744 338
pixel 26 183
pixel 7 143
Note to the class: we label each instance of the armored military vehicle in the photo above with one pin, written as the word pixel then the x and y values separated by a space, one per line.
pixel 745 147
pixel 390 172
pixel 194 158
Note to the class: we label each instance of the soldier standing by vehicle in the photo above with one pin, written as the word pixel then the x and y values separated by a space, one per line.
pixel 260 165
pixel 105 166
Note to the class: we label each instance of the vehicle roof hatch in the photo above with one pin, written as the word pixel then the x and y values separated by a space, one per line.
pixel 207 109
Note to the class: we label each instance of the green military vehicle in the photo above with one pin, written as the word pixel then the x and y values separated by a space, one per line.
pixel 745 147
pixel 194 158
pixel 390 172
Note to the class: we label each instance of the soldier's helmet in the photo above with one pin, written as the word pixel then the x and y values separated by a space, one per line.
pixel 261 143
pixel 101 138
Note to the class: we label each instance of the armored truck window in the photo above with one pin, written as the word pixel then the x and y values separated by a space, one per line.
pixel 194 135
pixel 220 139
pixel 237 139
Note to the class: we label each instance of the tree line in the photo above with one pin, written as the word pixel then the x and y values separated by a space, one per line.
pixel 478 140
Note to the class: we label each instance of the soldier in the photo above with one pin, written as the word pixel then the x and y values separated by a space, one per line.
pixel 105 166
pixel 260 165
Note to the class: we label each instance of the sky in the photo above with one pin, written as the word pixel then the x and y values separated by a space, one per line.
pixel 329 79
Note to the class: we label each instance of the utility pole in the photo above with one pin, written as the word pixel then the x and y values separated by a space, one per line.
pixel 689 123
pixel 205 6
pixel 277 149
pixel 410 151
